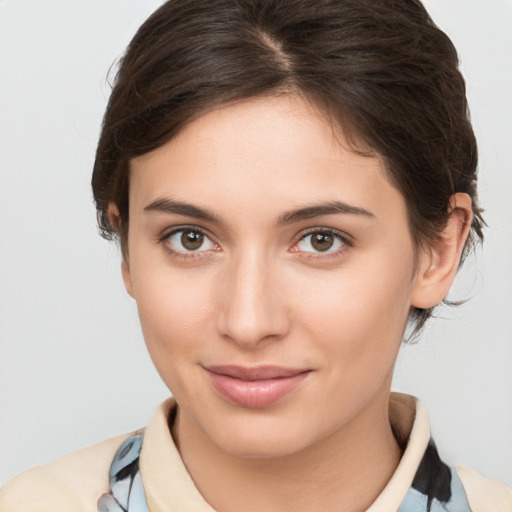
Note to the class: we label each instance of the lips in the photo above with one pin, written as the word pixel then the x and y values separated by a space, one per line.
pixel 255 387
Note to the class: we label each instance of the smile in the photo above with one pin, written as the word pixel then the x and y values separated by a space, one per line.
pixel 255 387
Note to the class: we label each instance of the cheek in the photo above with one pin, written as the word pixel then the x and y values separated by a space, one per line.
pixel 174 309
pixel 173 314
pixel 361 309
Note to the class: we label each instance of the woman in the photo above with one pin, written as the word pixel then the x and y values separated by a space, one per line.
pixel 291 184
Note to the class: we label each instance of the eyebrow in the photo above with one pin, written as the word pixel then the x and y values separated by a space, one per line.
pixel 317 210
pixel 165 205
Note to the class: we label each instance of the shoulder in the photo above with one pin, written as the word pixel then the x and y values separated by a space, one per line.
pixel 484 495
pixel 73 482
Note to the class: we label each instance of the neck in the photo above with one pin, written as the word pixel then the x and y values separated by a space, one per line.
pixel 345 471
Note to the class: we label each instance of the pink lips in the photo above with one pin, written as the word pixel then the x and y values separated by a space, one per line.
pixel 254 387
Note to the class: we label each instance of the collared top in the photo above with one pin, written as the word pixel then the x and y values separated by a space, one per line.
pixel 143 472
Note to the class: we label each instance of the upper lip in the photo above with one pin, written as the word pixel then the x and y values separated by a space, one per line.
pixel 255 373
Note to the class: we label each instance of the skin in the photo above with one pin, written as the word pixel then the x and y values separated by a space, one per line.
pixel 258 292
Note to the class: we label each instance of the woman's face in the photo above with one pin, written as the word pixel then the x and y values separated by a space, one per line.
pixel 273 271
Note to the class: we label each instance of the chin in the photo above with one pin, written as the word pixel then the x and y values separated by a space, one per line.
pixel 262 448
pixel 264 439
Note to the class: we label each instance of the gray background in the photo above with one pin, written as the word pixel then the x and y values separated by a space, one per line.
pixel 73 366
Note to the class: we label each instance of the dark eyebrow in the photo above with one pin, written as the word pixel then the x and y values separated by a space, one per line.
pixel 165 205
pixel 316 210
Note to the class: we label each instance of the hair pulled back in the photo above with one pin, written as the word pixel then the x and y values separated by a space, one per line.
pixel 380 70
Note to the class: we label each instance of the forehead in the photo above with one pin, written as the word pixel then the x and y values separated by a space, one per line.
pixel 276 152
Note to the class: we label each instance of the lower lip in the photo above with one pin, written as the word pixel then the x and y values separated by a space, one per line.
pixel 255 393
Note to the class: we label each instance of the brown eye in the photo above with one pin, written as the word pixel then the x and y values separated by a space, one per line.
pixel 321 241
pixel 192 240
pixel 188 240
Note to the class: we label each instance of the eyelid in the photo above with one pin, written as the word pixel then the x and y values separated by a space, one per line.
pixel 346 239
pixel 167 233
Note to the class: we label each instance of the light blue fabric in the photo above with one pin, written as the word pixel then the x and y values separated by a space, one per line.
pixel 126 489
pixel 416 501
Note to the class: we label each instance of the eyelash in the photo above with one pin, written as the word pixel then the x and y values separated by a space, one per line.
pixel 346 240
pixel 185 256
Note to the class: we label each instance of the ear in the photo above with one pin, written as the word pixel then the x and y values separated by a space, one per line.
pixel 115 221
pixel 127 276
pixel 438 263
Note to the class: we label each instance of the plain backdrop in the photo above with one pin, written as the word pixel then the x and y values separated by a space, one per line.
pixel 73 365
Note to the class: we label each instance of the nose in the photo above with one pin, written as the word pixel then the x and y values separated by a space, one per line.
pixel 253 305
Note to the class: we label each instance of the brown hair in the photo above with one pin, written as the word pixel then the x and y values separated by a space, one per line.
pixel 380 69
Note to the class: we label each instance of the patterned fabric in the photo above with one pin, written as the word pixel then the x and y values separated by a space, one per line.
pixel 436 487
pixel 126 489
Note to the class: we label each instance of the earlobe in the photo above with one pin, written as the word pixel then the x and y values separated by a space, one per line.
pixel 127 277
pixel 439 262
pixel 115 221
pixel 113 216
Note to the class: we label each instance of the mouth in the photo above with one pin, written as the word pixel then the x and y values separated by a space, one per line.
pixel 255 387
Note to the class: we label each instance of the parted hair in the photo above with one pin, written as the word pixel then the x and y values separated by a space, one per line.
pixel 380 70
